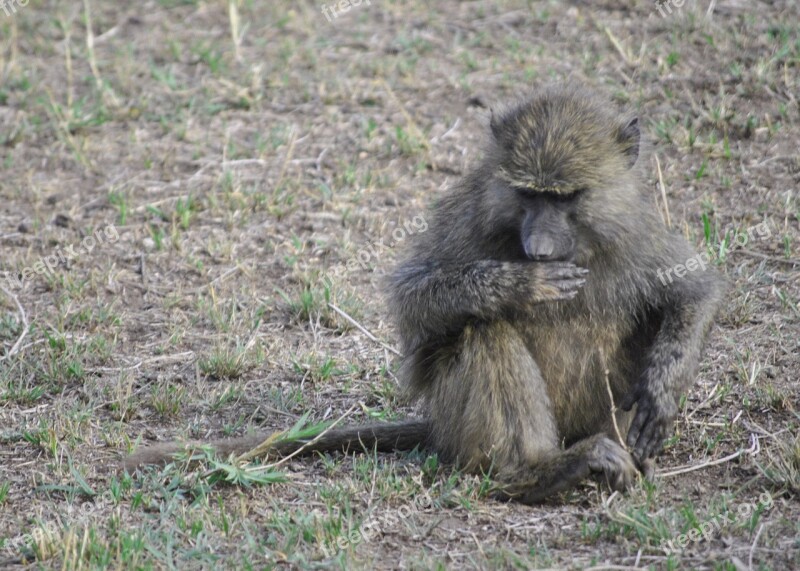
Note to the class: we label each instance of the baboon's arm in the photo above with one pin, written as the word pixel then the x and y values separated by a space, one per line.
pixel 386 437
pixel 433 298
pixel 672 363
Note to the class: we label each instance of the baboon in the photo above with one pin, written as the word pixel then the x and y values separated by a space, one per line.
pixel 532 295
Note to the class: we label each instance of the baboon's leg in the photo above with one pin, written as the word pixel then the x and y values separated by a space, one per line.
pixel 490 410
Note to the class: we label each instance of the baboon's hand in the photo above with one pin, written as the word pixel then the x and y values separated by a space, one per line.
pixel 556 281
pixel 656 411
pixel 613 463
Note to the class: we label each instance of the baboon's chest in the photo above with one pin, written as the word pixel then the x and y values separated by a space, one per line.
pixel 572 358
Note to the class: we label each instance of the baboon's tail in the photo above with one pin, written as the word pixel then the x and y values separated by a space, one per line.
pixel 385 437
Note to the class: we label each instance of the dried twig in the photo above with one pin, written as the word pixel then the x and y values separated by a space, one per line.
pixel 23 318
pixel 101 86
pixel 236 36
pixel 264 448
pixel 412 124
pixel 287 159
pixel 224 275
pixel 663 191
pixel 753 547
pixel 775 259
pixel 186 356
pixel 626 56
pixel 611 398
pixel 364 330
pixel 754 449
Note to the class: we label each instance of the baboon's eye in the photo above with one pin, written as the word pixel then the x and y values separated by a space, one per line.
pixel 563 197
pixel 524 193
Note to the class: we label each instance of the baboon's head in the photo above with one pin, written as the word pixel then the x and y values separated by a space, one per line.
pixel 565 162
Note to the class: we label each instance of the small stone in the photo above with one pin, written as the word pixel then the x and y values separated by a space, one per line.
pixel 61 220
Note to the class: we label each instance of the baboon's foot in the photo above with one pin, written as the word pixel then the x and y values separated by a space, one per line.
pixel 597 456
pixel 610 462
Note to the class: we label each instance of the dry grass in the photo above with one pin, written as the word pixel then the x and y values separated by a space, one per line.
pixel 246 164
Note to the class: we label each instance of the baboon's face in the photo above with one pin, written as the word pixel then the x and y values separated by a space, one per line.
pixel 548 231
pixel 563 175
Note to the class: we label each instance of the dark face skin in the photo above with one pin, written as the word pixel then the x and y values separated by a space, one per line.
pixel 548 227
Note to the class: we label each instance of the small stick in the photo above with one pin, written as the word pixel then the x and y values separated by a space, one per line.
pixel 24 319
pixel 287 159
pixel 754 449
pixel 93 59
pixel 224 275
pixel 233 15
pixel 753 547
pixel 764 256
pixel 409 119
pixel 618 46
pixel 611 398
pixel 364 330
pixel 663 191
pixel 264 448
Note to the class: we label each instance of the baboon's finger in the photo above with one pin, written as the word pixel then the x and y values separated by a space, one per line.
pixel 624 480
pixel 645 441
pixel 642 416
pixel 649 440
pixel 565 295
pixel 630 400
pixel 564 270
pixel 570 285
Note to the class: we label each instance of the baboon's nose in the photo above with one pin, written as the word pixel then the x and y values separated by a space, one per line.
pixel 541 248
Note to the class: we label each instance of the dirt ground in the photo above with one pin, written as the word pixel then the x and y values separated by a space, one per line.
pixel 200 198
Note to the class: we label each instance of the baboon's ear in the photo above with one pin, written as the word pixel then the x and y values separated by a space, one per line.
pixel 494 124
pixel 499 127
pixel 629 138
